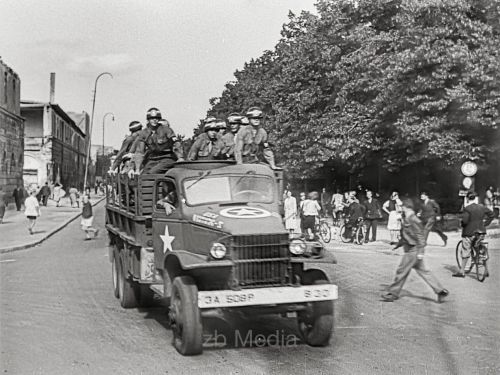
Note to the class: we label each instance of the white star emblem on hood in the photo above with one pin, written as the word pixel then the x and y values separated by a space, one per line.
pixel 167 240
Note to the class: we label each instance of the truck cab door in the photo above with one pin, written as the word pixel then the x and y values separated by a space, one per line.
pixel 168 225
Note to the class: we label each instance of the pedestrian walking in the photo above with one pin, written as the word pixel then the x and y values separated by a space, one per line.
pixel 301 210
pixel 18 195
pixel 430 214
pixel 45 194
pixel 88 219
pixel 372 215
pixel 290 212
pixel 31 210
pixel 58 194
pixel 311 209
pixel 73 197
pixel 393 208
pixel 325 199
pixel 412 235
pixel 3 204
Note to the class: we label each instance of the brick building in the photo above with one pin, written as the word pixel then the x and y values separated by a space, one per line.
pixel 54 145
pixel 11 130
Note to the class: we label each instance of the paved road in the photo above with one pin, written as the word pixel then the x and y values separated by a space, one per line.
pixel 59 316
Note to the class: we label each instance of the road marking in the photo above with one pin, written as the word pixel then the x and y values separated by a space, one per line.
pixel 7 260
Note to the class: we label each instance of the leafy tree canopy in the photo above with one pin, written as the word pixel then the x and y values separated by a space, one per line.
pixel 397 81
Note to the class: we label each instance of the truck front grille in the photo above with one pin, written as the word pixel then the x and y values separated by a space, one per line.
pixel 261 260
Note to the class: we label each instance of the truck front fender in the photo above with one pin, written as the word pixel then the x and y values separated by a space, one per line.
pixel 179 262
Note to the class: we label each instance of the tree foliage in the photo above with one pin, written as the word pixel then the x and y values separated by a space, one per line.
pixel 395 81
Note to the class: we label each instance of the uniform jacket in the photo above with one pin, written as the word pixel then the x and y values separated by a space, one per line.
pixel 126 147
pixel 157 142
pixel 475 218
pixel 412 233
pixel 204 148
pixel 249 141
pixel 229 140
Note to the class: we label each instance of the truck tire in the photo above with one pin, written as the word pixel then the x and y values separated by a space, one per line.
pixel 185 318
pixel 115 273
pixel 316 322
pixel 127 289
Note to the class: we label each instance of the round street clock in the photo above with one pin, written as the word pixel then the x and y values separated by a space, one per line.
pixel 469 168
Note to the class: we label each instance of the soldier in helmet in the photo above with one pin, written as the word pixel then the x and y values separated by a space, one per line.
pixel 156 145
pixel 123 155
pixel 221 124
pixel 208 145
pixel 252 142
pixel 234 120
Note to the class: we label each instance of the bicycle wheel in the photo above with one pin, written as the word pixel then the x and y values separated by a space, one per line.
pixel 342 234
pixel 360 235
pixel 324 232
pixel 481 263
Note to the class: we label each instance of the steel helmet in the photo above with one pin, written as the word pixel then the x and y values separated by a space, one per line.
pixel 254 112
pixel 210 124
pixel 153 113
pixel 234 118
pixel 134 126
pixel 221 124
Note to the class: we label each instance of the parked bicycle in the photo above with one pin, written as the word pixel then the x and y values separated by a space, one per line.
pixel 479 256
pixel 358 232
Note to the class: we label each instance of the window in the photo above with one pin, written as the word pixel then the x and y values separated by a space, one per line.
pixel 166 197
pixel 13 161
pixel 224 189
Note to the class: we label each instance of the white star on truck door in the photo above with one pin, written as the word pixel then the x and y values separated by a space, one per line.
pixel 167 240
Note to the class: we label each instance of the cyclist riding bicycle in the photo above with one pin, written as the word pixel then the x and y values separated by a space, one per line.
pixel 475 219
pixel 356 212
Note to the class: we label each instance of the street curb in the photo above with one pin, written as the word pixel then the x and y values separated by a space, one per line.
pixel 37 242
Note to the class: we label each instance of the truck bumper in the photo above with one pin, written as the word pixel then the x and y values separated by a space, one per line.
pixel 267 296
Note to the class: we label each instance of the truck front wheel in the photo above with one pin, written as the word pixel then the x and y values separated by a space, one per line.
pixel 185 318
pixel 316 322
pixel 127 289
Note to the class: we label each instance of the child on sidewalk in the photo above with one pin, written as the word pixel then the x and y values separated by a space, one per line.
pixel 88 218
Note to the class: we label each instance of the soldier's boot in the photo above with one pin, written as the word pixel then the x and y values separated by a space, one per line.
pixel 269 156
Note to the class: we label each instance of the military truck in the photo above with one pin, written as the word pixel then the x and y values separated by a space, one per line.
pixel 208 236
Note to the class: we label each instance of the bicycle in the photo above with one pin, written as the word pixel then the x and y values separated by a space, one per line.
pixel 479 256
pixel 321 226
pixel 358 232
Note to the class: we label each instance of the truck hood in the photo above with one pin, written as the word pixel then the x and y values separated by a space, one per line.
pixel 241 220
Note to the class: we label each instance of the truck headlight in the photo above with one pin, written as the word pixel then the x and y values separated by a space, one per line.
pixel 297 247
pixel 218 250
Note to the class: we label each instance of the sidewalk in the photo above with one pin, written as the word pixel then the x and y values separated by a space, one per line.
pixel 14 233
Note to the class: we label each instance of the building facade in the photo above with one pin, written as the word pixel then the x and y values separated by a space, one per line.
pixel 11 130
pixel 54 146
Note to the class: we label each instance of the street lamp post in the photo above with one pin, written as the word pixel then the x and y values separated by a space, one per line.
pixel 103 119
pixel 91 126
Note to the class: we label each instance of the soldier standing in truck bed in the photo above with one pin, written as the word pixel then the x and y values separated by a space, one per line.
pixel 208 145
pixel 156 145
pixel 252 142
pixel 229 139
pixel 123 155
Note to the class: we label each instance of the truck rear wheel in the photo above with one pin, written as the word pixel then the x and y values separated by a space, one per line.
pixel 127 289
pixel 185 318
pixel 316 322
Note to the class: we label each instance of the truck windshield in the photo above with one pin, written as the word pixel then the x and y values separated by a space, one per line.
pixel 226 189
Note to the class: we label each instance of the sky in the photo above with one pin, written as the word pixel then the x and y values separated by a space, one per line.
pixel 173 55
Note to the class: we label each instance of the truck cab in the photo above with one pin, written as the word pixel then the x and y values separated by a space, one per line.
pixel 209 236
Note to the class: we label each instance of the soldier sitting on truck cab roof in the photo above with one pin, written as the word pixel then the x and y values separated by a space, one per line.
pixel 156 146
pixel 123 155
pixel 208 145
pixel 234 120
pixel 167 197
pixel 252 141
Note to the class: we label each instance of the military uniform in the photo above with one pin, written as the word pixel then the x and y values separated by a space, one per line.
pixel 205 148
pixel 124 150
pixel 251 143
pixel 229 140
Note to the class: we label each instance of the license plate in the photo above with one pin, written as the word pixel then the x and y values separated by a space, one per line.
pixel 266 296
